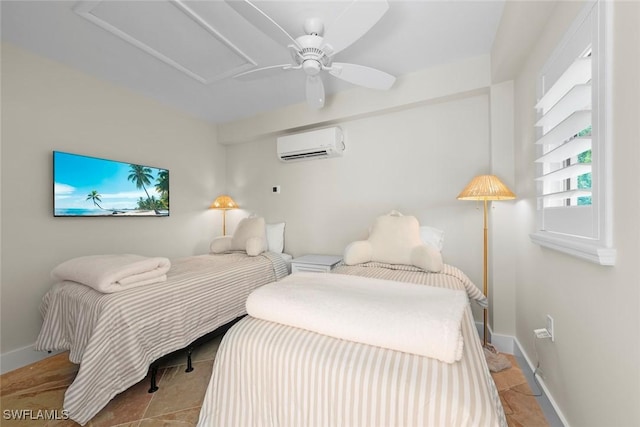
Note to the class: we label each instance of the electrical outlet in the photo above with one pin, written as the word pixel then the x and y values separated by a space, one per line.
pixel 550 327
pixel 275 189
pixel 541 333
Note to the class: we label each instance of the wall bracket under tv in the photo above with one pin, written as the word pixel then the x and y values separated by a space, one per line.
pixel 86 186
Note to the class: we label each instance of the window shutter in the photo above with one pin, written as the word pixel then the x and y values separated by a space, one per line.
pixel 565 110
pixel 573 165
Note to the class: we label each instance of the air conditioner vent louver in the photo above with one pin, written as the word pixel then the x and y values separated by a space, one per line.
pixel 317 144
pixel 313 154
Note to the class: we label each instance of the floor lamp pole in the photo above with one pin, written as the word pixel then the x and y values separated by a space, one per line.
pixel 485 286
pixel 486 188
pixel 224 222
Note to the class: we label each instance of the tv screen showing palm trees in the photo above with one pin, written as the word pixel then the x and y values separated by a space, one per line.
pixel 89 186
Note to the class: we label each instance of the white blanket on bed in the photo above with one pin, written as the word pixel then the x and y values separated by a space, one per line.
pixel 112 273
pixel 412 318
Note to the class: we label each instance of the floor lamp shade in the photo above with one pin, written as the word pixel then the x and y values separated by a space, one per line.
pixel 486 188
pixel 224 203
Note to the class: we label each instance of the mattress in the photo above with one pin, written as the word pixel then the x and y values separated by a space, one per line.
pixel 269 374
pixel 115 337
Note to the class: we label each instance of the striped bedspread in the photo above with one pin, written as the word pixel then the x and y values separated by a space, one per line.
pixel 268 374
pixel 115 337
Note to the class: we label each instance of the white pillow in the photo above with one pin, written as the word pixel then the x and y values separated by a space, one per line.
pixel 432 236
pixel 255 246
pixel 248 228
pixel 249 236
pixel 357 252
pixel 395 239
pixel 275 237
pixel 427 258
pixel 220 245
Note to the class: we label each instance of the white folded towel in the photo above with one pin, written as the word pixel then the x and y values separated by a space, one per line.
pixel 412 318
pixel 112 273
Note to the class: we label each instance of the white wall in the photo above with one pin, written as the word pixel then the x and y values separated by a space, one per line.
pixel 592 369
pixel 411 149
pixel 502 268
pixel 415 160
pixel 46 107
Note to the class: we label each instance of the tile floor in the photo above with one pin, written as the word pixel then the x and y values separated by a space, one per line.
pixel 519 403
pixel 41 386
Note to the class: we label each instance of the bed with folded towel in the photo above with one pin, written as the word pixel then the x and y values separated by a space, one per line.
pixel 116 314
pixel 113 272
pixel 376 312
pixel 283 372
pixel 387 339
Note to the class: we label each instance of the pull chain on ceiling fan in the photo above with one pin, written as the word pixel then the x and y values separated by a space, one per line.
pixel 313 52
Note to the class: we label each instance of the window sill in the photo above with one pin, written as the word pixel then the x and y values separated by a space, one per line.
pixel 571 246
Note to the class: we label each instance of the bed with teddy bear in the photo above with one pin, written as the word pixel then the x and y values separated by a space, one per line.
pixel 117 314
pixel 387 339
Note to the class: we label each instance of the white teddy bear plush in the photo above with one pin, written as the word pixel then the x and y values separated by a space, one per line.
pixel 250 236
pixel 395 239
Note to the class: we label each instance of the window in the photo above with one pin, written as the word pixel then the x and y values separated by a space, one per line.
pixel 573 142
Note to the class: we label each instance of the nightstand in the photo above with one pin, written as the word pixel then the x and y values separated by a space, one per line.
pixel 315 263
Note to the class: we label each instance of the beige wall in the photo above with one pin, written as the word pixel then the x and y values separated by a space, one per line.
pixel 413 150
pixel 46 107
pixel 502 225
pixel 592 369
pixel 415 161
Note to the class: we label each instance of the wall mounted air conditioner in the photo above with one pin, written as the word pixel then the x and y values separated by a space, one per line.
pixel 316 144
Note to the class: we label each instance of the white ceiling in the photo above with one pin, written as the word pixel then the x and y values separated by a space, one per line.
pixel 183 53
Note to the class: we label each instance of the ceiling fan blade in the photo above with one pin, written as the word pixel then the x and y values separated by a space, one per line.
pixel 362 76
pixel 262 72
pixel 354 22
pixel 315 92
pixel 262 21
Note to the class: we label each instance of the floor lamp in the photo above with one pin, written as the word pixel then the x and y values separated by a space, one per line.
pixel 486 188
pixel 224 203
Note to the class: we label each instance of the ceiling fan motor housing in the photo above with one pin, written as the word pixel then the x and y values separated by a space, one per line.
pixel 313 26
pixel 311 66
pixel 311 56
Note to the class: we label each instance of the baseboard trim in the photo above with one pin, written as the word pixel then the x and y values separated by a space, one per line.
pixel 510 345
pixel 504 343
pixel 21 357
pixel 541 382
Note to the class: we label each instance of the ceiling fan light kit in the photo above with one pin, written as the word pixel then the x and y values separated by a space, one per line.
pixel 313 51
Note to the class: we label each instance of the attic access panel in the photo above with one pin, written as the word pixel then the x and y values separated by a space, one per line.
pixel 172 32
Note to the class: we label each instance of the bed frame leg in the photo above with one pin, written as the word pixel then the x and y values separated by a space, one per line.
pixel 189 364
pixel 154 372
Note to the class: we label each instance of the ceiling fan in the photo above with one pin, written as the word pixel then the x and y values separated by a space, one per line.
pixel 313 52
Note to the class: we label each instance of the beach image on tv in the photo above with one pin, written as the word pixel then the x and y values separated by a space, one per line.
pixel 89 186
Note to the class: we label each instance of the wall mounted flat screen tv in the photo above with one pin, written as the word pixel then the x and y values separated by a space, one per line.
pixel 92 187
